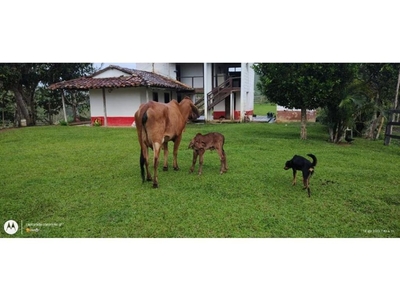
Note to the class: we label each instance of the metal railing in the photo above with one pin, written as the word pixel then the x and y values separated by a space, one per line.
pixel 219 93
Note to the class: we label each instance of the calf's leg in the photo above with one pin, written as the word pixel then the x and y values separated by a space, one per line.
pixel 201 159
pixel 194 160
pixel 222 158
pixel 225 163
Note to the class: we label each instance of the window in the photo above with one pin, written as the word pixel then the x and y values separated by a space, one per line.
pixel 166 97
pixel 155 96
pixel 234 69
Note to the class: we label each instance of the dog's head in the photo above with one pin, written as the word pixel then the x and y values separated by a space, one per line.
pixel 288 165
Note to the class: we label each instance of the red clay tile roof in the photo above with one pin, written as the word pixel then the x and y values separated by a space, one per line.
pixel 133 78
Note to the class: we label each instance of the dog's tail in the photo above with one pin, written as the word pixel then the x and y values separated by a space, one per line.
pixel 314 162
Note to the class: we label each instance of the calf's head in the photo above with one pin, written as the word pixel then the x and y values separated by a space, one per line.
pixel 196 142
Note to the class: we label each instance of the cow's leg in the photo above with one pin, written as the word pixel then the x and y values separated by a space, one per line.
pixel 145 152
pixel 201 159
pixel 195 154
pixel 176 148
pixel 156 149
pixel 165 147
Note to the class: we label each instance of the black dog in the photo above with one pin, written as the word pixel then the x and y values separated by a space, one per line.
pixel 305 166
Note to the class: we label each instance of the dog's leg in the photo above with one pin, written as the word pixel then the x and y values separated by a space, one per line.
pixel 308 185
pixel 294 177
pixel 307 181
pixel 306 177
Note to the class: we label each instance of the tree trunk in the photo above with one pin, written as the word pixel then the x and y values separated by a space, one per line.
pixel 3 101
pixel 303 134
pixel 22 107
pixel 340 132
pixel 29 98
pixel 371 130
pixel 74 104
pixel 382 120
pixel 331 134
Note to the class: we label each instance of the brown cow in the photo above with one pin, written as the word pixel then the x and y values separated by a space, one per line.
pixel 157 124
pixel 210 141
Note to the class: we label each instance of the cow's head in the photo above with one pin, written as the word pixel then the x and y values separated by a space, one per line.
pixel 195 114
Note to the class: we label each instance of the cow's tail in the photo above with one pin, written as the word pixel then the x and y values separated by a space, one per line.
pixel 142 159
pixel 142 162
pixel 314 162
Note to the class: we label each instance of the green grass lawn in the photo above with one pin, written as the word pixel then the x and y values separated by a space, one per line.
pixel 85 182
pixel 262 109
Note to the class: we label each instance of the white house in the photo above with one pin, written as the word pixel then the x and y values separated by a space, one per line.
pixel 220 90
pixel 228 87
pixel 116 93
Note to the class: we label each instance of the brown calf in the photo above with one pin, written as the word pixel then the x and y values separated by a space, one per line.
pixel 210 141
pixel 157 124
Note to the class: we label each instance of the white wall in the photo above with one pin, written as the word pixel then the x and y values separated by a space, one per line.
pixel 188 71
pixel 111 73
pixel 165 69
pixel 207 88
pixel 247 86
pixel 192 74
pixel 121 102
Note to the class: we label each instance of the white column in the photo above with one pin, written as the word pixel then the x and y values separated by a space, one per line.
pixel 104 107
pixel 205 85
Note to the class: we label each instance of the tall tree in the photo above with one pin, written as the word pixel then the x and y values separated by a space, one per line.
pixel 6 107
pixel 300 85
pixel 343 101
pixel 23 80
pixel 381 82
